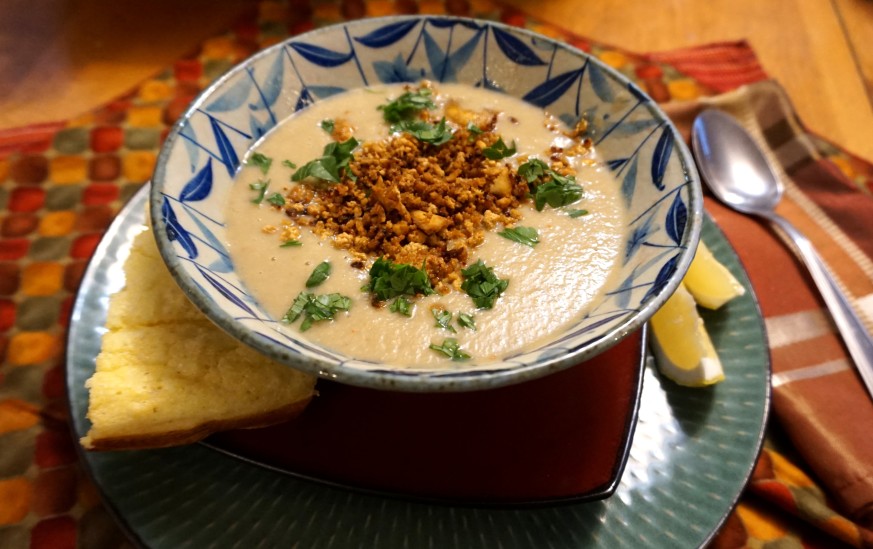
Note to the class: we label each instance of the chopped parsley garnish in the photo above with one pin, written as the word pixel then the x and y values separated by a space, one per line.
pixel 401 305
pixel 467 321
pixel 533 169
pixel 289 164
pixel 523 235
pixel 389 279
pixel 443 319
pixel 331 165
pixel 401 114
pixel 261 188
pixel 556 194
pixel 425 131
pixel 290 244
pixel 315 308
pixel 474 129
pixel 407 106
pixel 261 162
pixel 548 186
pixel 322 168
pixel 577 213
pixel 499 150
pixel 451 349
pixel 276 199
pixel 319 275
pixel 327 125
pixel 482 284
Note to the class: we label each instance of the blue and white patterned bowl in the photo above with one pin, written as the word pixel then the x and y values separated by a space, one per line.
pixel 658 179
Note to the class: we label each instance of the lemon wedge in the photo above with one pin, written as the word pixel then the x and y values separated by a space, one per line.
pixel 681 344
pixel 711 284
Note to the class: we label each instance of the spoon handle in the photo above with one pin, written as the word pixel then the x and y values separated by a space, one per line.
pixel 854 333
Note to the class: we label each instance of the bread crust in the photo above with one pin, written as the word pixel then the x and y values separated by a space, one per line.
pixel 187 436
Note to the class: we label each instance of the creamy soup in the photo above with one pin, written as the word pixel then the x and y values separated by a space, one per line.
pixel 550 284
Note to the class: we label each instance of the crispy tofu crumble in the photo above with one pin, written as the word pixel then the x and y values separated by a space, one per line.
pixel 417 203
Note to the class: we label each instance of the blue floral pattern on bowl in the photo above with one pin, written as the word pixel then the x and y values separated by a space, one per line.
pixel 195 170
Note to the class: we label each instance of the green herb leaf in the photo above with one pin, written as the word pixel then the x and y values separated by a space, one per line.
pixel 319 275
pixel 561 179
pixel 548 186
pixel 331 165
pixel 467 321
pixel 261 188
pixel 523 235
pixel 401 305
pixel 321 168
pixel 327 305
pixel 388 279
pixel 474 129
pixel 327 125
pixel 261 162
pixel 443 319
pixel 482 284
pixel 276 199
pixel 556 194
pixel 425 131
pixel 342 151
pixel 451 349
pixel 315 308
pixel 296 309
pixel 533 170
pixel 290 244
pixel 289 164
pixel 577 213
pixel 499 150
pixel 407 105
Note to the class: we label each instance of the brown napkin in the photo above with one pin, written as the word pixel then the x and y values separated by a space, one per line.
pixel 818 396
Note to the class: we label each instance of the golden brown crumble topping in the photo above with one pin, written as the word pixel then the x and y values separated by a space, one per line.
pixel 417 203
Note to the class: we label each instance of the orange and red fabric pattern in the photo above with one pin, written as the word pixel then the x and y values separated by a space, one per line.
pixel 62 184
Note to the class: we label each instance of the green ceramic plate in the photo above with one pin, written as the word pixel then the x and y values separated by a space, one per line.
pixel 692 454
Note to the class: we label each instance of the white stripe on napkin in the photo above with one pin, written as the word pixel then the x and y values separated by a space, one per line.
pixel 789 329
pixel 819 370
pixel 865 304
pixel 793 328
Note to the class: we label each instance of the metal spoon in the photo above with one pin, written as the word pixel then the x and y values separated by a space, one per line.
pixel 738 173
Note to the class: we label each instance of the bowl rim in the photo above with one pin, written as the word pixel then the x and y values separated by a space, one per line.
pixel 413 380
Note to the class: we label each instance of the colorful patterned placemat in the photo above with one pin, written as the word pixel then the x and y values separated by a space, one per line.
pixel 64 182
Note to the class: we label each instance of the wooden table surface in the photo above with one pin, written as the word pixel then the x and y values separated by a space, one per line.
pixel 60 58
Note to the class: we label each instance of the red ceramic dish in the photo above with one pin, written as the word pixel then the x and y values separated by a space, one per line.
pixel 561 437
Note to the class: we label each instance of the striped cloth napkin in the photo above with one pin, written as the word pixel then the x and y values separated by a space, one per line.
pixel 818 398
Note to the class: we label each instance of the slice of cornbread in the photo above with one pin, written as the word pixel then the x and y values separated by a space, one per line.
pixel 167 376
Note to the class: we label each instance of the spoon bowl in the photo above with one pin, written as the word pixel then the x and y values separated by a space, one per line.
pixel 733 165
